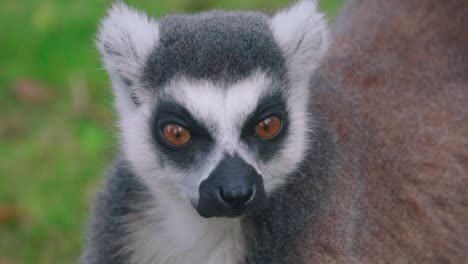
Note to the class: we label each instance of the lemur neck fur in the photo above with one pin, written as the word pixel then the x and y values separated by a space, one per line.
pixel 171 231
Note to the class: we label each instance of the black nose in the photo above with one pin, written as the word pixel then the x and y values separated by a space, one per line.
pixel 237 197
pixel 232 189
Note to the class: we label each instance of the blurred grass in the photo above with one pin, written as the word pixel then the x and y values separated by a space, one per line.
pixel 56 121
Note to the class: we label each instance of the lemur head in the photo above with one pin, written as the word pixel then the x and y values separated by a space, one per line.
pixel 213 106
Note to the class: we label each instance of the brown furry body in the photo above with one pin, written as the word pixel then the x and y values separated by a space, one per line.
pixel 394 89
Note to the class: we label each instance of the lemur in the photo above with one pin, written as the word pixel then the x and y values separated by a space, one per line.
pixel 246 138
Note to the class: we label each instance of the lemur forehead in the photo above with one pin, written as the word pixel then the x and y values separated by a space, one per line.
pixel 217 45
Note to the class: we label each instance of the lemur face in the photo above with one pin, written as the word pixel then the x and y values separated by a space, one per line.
pixel 221 141
pixel 213 106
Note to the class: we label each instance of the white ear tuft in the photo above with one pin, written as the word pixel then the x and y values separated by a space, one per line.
pixel 302 33
pixel 125 39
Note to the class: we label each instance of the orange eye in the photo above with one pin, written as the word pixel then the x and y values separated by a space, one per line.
pixel 176 135
pixel 268 128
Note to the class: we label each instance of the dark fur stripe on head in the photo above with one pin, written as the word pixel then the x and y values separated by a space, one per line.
pixel 221 46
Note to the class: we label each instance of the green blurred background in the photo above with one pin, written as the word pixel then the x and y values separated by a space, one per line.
pixel 56 119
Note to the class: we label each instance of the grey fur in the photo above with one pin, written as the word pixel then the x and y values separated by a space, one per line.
pixel 216 45
pixel 271 235
pixel 224 48
pixel 382 179
pixel 122 196
pixel 277 234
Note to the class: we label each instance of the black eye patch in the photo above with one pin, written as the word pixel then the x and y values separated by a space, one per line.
pixel 271 105
pixel 172 113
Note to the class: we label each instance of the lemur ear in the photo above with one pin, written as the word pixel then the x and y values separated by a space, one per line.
pixel 125 39
pixel 301 32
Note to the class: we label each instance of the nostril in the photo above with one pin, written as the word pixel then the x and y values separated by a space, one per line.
pixel 237 196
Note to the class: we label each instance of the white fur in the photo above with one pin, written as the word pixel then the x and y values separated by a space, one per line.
pixel 130 36
pixel 171 231
pixel 301 32
pixel 223 111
